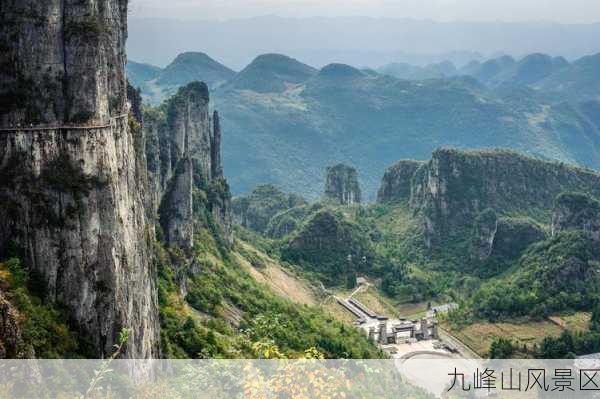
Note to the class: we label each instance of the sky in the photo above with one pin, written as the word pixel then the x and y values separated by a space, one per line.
pixel 563 11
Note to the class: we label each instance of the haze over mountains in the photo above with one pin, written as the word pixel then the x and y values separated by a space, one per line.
pixel 287 121
pixel 359 41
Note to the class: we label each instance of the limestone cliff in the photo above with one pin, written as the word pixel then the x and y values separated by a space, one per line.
pixel 72 176
pixel 576 211
pixel 342 185
pixel 502 237
pixel 485 229
pixel 455 186
pixel 62 61
pixel 183 148
pixel 177 207
pixel 397 181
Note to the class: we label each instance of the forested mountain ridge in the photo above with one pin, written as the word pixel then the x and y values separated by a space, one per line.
pixel 369 120
pixel 510 238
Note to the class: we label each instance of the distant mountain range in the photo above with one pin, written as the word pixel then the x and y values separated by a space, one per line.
pixel 360 41
pixel 159 84
pixel 285 121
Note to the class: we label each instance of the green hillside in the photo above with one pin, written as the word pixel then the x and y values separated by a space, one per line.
pixel 578 82
pixel 485 72
pixel 228 313
pixel 518 245
pixel 344 115
pixel 138 73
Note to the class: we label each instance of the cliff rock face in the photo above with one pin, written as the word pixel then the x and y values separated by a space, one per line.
pixel 397 180
pixel 454 187
pixel 575 211
pixel 503 237
pixel 72 178
pixel 514 235
pixel 176 209
pixel 184 154
pixel 62 61
pixel 342 185
pixel 486 227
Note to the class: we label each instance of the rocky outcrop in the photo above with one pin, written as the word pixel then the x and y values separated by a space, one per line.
pixel 455 186
pixel 72 174
pixel 576 211
pixel 397 181
pixel 184 156
pixel 342 185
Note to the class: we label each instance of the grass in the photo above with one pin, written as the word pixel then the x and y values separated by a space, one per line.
pixel 413 310
pixel 578 321
pixel 337 311
pixel 479 336
pixel 375 301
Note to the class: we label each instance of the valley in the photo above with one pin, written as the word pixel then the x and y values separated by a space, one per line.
pixel 469 243
pixel 285 211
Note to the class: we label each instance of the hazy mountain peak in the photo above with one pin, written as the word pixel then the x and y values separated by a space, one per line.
pixel 340 71
pixel 529 70
pixel 505 60
pixel 272 73
pixel 191 66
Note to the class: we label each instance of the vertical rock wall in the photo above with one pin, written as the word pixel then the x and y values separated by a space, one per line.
pixel 63 62
pixel 397 180
pixel 342 185
pixel 72 173
pixel 185 142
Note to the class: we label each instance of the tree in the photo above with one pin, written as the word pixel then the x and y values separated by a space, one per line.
pixel 350 281
pixel 595 321
pixel 502 348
